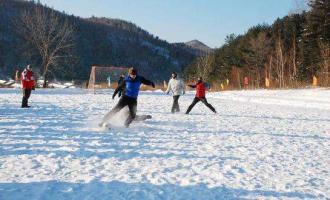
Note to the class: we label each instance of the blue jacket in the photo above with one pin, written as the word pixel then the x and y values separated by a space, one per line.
pixel 131 87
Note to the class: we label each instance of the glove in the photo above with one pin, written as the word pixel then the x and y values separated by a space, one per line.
pixel 113 97
pixel 153 84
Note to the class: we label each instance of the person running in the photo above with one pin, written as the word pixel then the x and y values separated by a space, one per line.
pixel 176 86
pixel 27 80
pixel 131 87
pixel 200 95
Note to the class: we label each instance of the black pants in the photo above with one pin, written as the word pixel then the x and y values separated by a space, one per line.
pixel 202 99
pixel 26 96
pixel 123 101
pixel 175 105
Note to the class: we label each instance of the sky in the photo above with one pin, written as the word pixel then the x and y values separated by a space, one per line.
pixel 209 21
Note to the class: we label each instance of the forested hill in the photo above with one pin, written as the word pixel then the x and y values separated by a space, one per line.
pixel 288 53
pixel 98 41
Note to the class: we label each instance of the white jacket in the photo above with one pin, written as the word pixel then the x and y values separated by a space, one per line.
pixel 176 86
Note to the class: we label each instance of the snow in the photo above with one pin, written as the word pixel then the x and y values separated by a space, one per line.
pixel 262 144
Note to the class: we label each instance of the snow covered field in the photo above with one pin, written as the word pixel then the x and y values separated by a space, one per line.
pixel 261 145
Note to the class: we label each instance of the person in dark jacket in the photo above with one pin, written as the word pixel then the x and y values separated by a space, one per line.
pixel 200 95
pixel 27 80
pixel 131 87
pixel 121 79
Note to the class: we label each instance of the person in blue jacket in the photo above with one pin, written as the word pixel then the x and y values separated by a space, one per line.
pixel 130 87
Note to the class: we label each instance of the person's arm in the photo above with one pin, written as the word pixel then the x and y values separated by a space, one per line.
pixel 147 82
pixel 119 87
pixel 168 86
pixel 192 86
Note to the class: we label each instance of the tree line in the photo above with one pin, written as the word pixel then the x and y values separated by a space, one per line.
pixel 288 53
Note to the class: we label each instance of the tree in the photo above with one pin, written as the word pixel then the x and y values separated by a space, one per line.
pixel 256 57
pixel 205 65
pixel 50 35
pixel 317 37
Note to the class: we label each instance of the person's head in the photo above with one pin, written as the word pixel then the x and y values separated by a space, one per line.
pixel 174 75
pixel 122 75
pixel 28 67
pixel 132 72
pixel 199 79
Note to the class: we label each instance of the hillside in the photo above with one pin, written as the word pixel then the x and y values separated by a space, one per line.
pixel 98 41
pixel 199 46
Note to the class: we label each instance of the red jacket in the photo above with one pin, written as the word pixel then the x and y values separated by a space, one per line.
pixel 200 89
pixel 27 79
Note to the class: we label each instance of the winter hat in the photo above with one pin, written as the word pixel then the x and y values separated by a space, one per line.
pixel 28 67
pixel 132 71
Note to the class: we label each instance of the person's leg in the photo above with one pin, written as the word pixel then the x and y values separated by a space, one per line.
pixel 176 101
pixel 196 100
pixel 28 93
pixel 24 100
pixel 132 106
pixel 121 104
pixel 173 105
pixel 208 105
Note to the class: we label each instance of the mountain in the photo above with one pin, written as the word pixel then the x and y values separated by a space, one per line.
pixel 199 46
pixel 98 41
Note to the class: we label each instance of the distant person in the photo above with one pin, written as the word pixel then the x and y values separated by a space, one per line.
pixel 246 82
pixel 120 91
pixel 131 85
pixel 200 95
pixel 177 88
pixel 27 79
pixel 17 79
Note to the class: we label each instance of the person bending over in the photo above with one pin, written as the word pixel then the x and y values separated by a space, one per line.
pixel 131 87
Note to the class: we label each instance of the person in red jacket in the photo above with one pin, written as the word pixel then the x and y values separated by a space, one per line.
pixel 27 85
pixel 200 95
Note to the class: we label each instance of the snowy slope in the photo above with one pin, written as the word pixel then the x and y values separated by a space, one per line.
pixel 261 145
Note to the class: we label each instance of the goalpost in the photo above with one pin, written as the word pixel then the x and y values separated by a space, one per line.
pixel 105 77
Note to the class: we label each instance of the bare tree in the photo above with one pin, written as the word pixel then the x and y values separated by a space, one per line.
pixel 280 62
pixel 51 35
pixel 292 62
pixel 204 65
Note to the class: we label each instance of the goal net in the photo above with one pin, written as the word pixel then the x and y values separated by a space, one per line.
pixel 105 77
